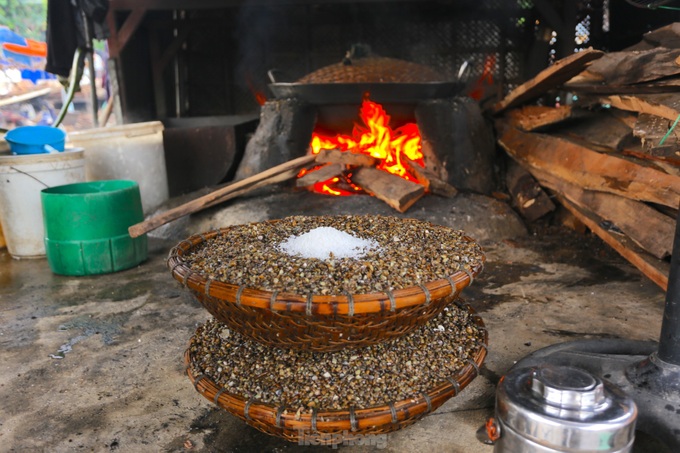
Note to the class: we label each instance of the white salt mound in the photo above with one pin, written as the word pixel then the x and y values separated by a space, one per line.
pixel 321 242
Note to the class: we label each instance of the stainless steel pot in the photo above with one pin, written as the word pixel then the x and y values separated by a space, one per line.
pixel 552 409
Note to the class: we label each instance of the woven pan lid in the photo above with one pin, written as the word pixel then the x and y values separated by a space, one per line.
pixel 373 70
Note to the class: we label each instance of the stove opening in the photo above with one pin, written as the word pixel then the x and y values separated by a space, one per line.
pixel 373 142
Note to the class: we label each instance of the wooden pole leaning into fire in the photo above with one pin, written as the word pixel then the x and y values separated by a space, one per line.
pixel 279 173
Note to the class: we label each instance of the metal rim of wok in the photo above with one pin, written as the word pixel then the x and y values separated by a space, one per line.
pixel 354 93
pixel 333 426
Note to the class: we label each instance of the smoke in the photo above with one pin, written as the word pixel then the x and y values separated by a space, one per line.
pixel 257 26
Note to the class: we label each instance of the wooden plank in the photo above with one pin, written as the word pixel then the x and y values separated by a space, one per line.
pixel 591 88
pixel 533 117
pixel 665 105
pixel 564 217
pixel 528 197
pixel 273 175
pixel 656 270
pixel 668 36
pixel 549 78
pixel 651 129
pixel 666 160
pixel 589 169
pixel 627 118
pixel 601 129
pixel 393 190
pixel 648 228
pixel 323 173
pixel 631 67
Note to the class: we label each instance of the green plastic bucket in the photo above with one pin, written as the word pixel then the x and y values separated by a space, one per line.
pixel 86 227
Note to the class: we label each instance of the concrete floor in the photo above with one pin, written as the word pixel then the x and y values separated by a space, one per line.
pixel 95 363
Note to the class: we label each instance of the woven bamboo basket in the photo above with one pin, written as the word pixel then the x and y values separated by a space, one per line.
pixel 338 426
pixel 321 323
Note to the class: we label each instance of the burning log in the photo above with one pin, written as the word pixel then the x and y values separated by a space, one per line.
pixel 393 190
pixel 335 156
pixel 320 174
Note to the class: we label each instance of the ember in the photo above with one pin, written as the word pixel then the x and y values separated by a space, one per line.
pixel 393 149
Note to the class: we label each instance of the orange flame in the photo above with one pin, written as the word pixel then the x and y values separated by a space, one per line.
pixel 259 96
pixel 374 138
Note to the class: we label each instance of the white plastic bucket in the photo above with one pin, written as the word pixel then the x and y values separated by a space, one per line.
pixel 22 177
pixel 130 151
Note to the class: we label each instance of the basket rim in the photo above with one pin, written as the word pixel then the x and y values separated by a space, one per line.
pixel 282 417
pixel 335 304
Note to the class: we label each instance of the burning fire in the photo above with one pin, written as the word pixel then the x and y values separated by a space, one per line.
pixel 374 137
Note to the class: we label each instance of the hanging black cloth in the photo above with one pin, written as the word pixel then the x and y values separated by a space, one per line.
pixel 67 30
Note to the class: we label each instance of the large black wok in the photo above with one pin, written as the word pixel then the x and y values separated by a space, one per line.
pixel 353 93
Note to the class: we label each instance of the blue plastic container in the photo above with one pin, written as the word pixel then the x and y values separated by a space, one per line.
pixel 36 140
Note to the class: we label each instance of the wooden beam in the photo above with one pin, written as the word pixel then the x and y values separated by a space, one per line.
pixel 547 79
pixel 120 36
pixel 589 169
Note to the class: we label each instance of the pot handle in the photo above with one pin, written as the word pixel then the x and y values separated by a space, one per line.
pixel 275 74
pixel 463 71
pixel 271 74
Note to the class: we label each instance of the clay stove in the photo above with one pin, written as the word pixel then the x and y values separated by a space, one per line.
pixel 440 129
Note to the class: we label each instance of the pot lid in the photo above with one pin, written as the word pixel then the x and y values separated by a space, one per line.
pixel 566 409
pixel 360 65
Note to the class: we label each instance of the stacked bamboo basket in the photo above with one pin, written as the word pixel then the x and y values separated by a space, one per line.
pixel 316 323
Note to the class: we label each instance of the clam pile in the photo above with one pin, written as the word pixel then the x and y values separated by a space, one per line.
pixel 408 252
pixel 365 377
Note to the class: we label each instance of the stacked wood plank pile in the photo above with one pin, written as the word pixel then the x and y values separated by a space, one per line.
pixel 611 155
